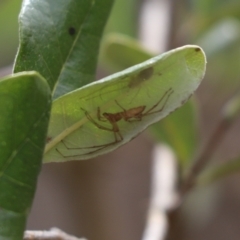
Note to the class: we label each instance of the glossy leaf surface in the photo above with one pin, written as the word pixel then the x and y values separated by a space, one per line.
pixel 25 106
pixel 60 40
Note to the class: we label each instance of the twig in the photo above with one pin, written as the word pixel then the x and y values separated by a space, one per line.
pixel 205 156
pixel 229 113
pixel 52 234
pixel 195 170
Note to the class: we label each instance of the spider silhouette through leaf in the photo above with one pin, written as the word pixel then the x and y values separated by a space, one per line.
pixel 130 115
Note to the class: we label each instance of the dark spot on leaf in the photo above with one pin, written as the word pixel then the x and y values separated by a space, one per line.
pixel 197 49
pixel 71 31
pixel 146 73
pixel 141 77
pixel 48 139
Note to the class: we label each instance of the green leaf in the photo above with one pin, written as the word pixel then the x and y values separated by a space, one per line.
pixel 121 52
pixel 231 109
pixel 25 106
pixel 217 172
pixel 9 30
pixel 60 40
pixel 179 131
pixel 128 24
pixel 126 102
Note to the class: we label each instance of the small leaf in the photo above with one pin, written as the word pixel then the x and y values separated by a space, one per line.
pixel 179 131
pixel 25 106
pixel 121 52
pixel 102 116
pixel 128 24
pixel 60 40
pixel 231 110
pixel 217 172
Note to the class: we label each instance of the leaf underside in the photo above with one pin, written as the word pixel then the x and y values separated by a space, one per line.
pixel 133 99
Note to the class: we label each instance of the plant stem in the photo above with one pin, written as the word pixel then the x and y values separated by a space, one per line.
pixel 190 180
pixel 52 234
pixel 205 156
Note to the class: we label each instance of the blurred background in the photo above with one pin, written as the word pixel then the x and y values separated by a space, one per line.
pixel 108 198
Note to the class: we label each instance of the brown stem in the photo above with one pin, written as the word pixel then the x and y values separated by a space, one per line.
pixel 189 182
pixel 205 156
pixel 52 234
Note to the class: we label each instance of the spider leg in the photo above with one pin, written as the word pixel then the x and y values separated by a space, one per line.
pixel 135 119
pixel 99 115
pixel 116 140
pixel 167 94
pixel 96 123
pixel 114 129
pixel 120 106
pixel 99 147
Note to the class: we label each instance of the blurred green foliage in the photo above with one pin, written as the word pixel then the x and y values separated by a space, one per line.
pixel 9 10
pixel 215 26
